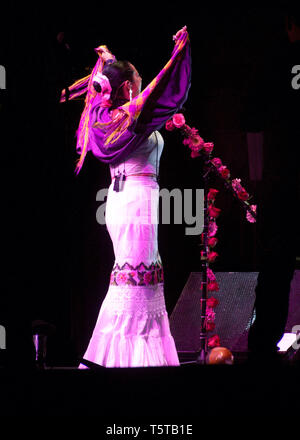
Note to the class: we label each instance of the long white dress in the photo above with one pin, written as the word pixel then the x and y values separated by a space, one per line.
pixel 132 329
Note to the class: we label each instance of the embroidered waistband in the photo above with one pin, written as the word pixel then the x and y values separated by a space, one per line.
pixel 140 275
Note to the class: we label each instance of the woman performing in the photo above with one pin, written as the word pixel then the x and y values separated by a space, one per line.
pixel 119 125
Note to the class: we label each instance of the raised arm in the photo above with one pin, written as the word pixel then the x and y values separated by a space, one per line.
pixel 163 97
pixel 172 90
pixel 112 138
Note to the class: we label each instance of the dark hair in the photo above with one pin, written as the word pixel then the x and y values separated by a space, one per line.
pixel 117 73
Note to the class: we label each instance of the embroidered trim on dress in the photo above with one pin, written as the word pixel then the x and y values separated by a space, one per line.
pixel 139 302
pixel 140 275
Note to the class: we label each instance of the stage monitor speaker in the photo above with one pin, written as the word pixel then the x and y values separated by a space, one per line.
pixel 234 313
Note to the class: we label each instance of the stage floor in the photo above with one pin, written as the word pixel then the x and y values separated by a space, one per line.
pixel 153 395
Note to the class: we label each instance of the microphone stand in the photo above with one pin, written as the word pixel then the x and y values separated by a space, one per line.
pixel 202 354
pixel 207 168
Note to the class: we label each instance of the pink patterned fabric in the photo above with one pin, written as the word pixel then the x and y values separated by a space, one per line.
pixel 132 329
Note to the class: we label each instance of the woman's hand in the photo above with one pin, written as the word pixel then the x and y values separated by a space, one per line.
pixel 179 33
pixel 104 53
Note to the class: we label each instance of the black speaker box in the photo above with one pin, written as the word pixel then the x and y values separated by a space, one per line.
pixel 234 313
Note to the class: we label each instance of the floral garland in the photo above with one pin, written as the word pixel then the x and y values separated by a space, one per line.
pixel 199 147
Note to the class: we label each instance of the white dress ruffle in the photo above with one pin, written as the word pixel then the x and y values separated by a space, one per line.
pixel 132 329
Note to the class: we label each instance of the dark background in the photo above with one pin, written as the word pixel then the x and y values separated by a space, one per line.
pixel 58 258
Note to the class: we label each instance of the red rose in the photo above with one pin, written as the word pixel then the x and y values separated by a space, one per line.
pixel 169 125
pixel 213 286
pixel 210 326
pixel 243 195
pixel 214 341
pixel 211 276
pixel 212 228
pixel 208 147
pixel 212 194
pixel 178 120
pixel 212 302
pixel 212 256
pixel 212 241
pixel 224 171
pixel 213 211
pixel 216 162
pixel 249 217
pixel 195 154
pixel 195 142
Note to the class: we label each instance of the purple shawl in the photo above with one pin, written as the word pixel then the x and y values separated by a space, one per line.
pixel 165 100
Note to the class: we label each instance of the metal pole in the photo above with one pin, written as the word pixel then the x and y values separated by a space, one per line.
pixel 202 355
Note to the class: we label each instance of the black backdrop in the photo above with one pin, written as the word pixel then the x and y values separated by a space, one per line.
pixel 58 258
